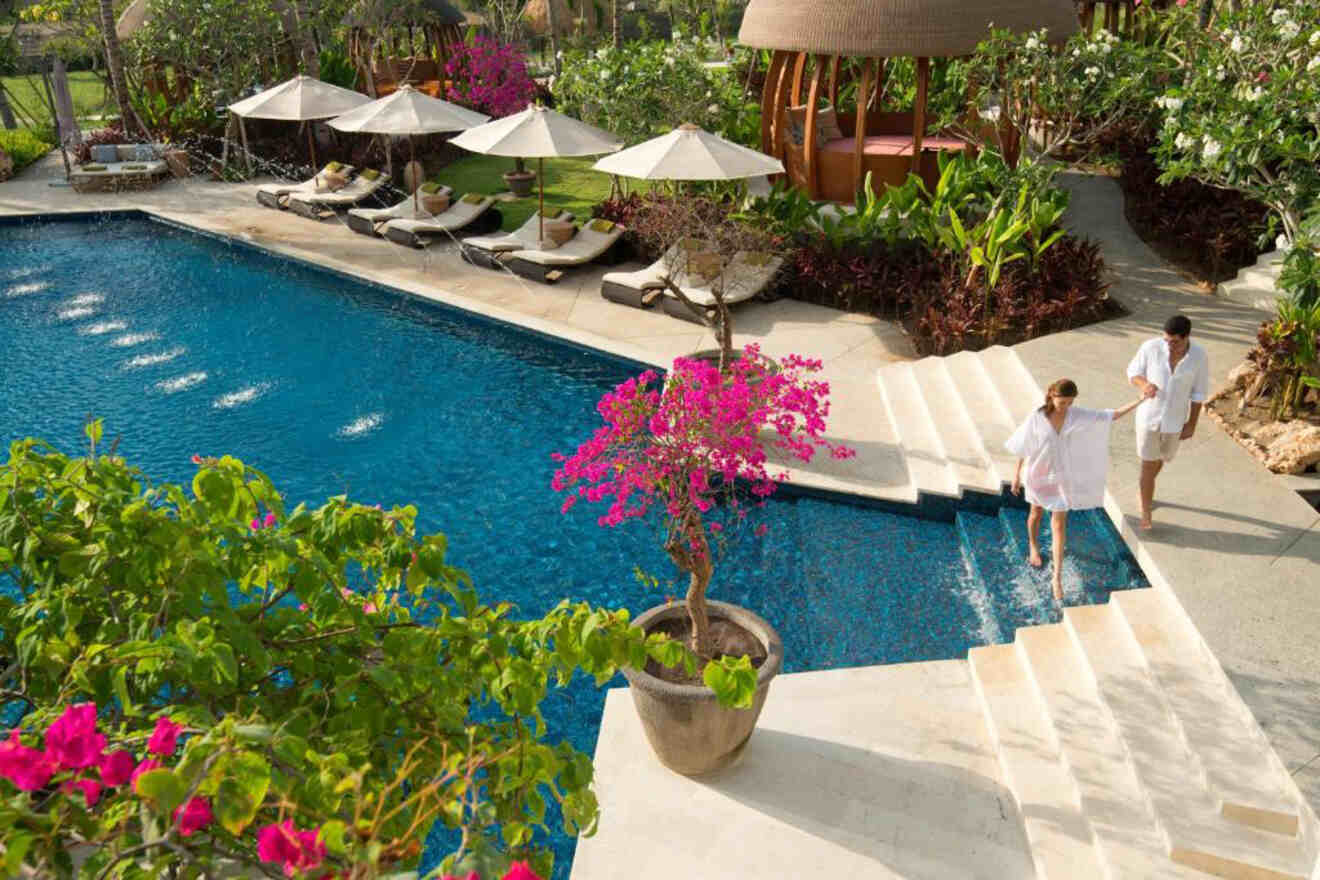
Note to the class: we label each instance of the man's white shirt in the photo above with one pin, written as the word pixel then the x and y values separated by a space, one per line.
pixel 1188 383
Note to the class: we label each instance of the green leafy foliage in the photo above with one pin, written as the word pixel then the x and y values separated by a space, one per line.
pixel 23 146
pixel 326 663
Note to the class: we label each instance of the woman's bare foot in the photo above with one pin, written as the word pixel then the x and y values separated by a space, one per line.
pixel 1033 557
pixel 1058 589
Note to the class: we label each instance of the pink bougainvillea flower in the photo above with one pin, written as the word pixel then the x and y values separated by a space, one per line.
pixel 117 767
pixel 471 876
pixel 520 871
pixel 295 850
pixel 369 607
pixel 72 741
pixel 143 767
pixel 196 459
pixel 269 521
pixel 302 606
pixel 90 788
pixel 29 769
pixel 255 524
pixel 193 816
pixel 165 738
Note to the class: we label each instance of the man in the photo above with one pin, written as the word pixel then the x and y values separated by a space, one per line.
pixel 1173 375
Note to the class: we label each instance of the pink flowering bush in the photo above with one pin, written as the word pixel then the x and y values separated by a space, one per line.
pixel 681 445
pixel 490 77
pixel 208 683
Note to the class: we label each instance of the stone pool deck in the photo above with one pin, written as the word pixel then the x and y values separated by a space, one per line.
pixel 1235 545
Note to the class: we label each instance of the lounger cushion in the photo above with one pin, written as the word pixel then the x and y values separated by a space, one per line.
pixel 102 153
pixel 601 225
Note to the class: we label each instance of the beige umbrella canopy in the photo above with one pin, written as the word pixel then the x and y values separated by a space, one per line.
pixel 299 100
pixel 132 19
pixel 897 28
pixel 569 16
pixel 689 152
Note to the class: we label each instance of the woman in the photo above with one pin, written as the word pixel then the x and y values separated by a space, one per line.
pixel 1066 452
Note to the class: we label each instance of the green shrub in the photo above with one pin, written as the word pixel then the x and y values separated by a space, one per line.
pixel 23 146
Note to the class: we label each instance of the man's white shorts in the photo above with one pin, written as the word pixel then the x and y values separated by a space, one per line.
pixel 1154 446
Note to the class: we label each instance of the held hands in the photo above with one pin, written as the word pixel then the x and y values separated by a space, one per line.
pixel 1149 390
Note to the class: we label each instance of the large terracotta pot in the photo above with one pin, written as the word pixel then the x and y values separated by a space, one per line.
pixel 690 732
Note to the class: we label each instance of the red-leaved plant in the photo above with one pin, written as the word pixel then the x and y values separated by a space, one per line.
pixel 678 445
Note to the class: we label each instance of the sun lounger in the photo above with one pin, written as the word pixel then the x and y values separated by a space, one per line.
pixel 546 266
pixel 365 186
pixel 276 195
pixel 474 211
pixel 748 275
pixel 371 221
pixel 483 250
pixel 642 289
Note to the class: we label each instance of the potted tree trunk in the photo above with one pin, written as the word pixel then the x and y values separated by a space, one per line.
pixel 520 180
pixel 692 448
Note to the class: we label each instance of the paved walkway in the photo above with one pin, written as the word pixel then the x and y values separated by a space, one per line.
pixel 1234 544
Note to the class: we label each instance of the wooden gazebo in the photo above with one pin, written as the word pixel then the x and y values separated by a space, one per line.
pixel 822 49
pixel 393 42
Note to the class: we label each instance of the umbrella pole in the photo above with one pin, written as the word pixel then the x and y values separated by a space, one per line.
pixel 540 205
pixel 247 154
pixel 412 160
pixel 311 147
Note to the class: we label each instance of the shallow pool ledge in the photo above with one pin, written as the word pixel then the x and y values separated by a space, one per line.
pixel 872 772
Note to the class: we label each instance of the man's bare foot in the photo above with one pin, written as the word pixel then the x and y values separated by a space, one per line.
pixel 1146 524
pixel 1033 557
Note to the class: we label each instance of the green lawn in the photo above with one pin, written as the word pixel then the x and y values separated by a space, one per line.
pixel 570 185
pixel 27 94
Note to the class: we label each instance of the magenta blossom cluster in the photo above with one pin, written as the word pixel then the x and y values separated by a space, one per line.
pixel 73 749
pixel 490 77
pixel 681 440
pixel 517 871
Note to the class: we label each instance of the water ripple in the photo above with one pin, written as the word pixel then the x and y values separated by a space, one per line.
pixel 25 289
pixel 75 314
pixel 240 397
pixel 147 360
pixel 87 299
pixel 28 271
pixel 361 425
pixel 131 339
pixel 181 383
pixel 102 327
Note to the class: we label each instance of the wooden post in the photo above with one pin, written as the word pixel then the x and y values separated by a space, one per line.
pixel 810 147
pixel 919 113
pixel 247 154
pixel 769 93
pixel 834 83
pixel 859 128
pixel 795 96
pixel 780 110
pixel 540 201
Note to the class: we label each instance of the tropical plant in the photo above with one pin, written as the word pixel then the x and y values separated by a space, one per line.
pixel 693 448
pixel 1243 113
pixel 1287 351
pixel 337 66
pixel 226 683
pixel 489 77
pixel 23 146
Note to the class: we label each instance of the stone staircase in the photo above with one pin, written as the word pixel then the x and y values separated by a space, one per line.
pixel 1127 748
pixel 1254 285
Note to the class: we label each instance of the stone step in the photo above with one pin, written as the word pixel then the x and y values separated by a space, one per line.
pixel 1012 381
pixel 1240 769
pixel 1197 834
pixel 1120 815
pixel 927 462
pixel 958 437
pixel 986 410
pixel 1059 833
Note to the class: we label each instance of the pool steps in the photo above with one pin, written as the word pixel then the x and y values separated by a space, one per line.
pixel 1129 751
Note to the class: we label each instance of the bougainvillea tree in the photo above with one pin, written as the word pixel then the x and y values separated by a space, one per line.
pixel 682 445
pixel 202 682
pixel 490 77
pixel 1245 111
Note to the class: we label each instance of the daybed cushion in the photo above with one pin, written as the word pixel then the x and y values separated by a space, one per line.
pixel 105 153
pixel 892 145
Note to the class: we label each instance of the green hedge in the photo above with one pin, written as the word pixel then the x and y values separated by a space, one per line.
pixel 23 146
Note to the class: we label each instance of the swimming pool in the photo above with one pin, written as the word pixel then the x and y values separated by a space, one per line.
pixel 189 344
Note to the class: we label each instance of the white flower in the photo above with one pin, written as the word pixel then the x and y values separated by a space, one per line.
pixel 1077 53
pixel 1315 39
pixel 1107 48
pixel 669 60
pixel 1211 148
pixel 1255 93
pixel 1220 73
pixel 1184 141
pixel 1170 103
pixel 1289 29
pixel 1237 45
pixel 1279 16
pixel 713 109
pixel 1092 72
pixel 604 76
pixel 1313 64
pixel 1032 43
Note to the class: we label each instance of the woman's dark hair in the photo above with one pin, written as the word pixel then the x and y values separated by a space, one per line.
pixel 1178 325
pixel 1061 388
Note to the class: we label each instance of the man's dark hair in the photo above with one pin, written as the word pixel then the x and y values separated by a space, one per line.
pixel 1178 325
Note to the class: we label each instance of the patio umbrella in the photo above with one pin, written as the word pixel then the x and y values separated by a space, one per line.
pixel 300 99
pixel 408 112
pixel 689 152
pixel 536 133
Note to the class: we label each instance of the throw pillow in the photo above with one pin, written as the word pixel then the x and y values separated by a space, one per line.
pixel 601 225
pixel 797 124
pixel 331 167
pixel 827 125
pixel 105 153
pixel 705 265
pixel 370 173
pixel 429 189
pixel 474 198
pixel 756 258
pixel 144 153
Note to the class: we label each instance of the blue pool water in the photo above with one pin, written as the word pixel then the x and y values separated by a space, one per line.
pixel 186 344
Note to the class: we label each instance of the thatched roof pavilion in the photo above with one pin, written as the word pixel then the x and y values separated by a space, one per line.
pixel 398 41
pixel 816 47
pixel 569 17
